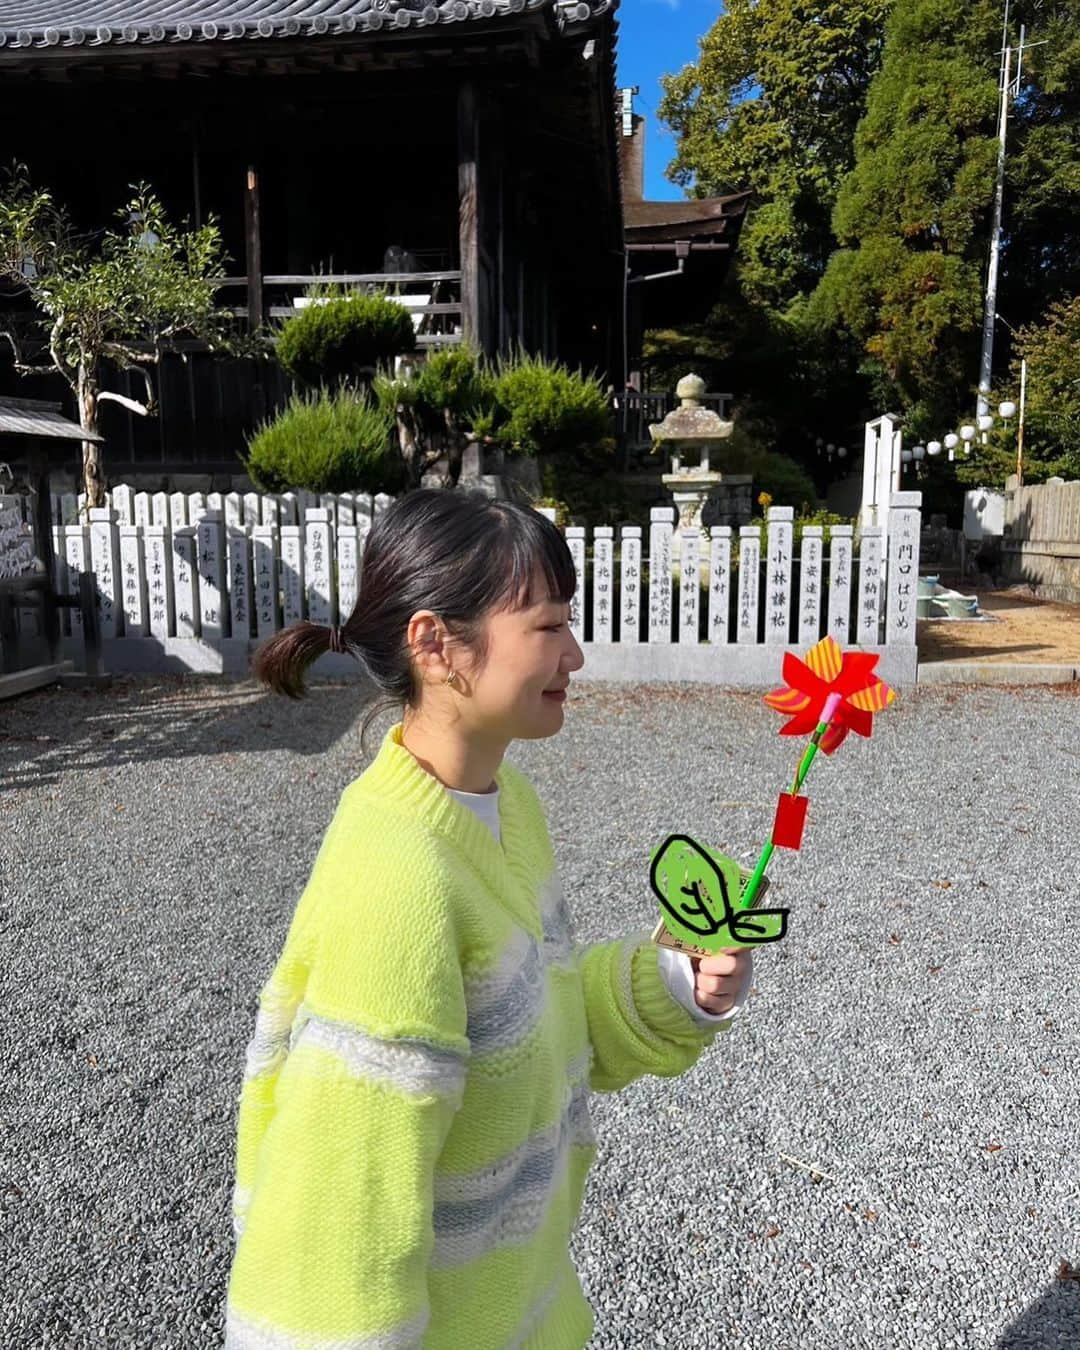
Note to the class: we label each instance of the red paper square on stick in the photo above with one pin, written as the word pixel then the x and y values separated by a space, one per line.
pixel 787 828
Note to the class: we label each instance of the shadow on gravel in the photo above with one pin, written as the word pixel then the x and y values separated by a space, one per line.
pixel 1054 1320
pixel 139 719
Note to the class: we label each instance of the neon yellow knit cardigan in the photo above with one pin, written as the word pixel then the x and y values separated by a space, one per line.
pixel 413 1129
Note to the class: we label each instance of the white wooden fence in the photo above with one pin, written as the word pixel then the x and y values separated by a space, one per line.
pixel 193 582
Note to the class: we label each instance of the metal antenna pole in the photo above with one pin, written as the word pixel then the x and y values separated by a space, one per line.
pixel 987 358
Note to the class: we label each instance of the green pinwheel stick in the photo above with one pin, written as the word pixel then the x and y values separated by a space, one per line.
pixel 827 713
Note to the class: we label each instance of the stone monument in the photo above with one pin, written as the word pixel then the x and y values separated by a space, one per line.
pixel 703 495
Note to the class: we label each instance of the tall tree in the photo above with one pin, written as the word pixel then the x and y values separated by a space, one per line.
pixel 120 300
pixel 914 215
pixel 772 104
pixel 1041 245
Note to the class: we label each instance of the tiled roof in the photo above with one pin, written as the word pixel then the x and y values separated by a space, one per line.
pixel 97 23
pixel 31 417
pixel 703 214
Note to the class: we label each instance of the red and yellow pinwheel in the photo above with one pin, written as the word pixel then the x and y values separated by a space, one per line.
pixel 827 670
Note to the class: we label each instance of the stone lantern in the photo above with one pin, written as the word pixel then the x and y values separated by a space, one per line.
pixel 694 431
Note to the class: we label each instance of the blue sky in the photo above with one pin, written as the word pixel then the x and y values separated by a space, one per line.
pixel 659 37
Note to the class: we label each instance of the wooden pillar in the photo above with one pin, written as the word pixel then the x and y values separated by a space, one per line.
pixel 469 210
pixel 299 212
pixel 253 250
pixel 38 475
pixel 196 186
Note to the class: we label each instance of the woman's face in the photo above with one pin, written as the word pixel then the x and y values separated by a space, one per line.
pixel 530 651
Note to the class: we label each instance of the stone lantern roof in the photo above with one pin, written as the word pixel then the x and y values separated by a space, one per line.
pixel 691 425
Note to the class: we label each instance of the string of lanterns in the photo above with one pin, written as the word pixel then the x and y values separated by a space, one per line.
pixel 967 434
pixel 829 448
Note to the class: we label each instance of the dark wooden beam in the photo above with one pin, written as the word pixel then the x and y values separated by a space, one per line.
pixel 468 210
pixel 253 249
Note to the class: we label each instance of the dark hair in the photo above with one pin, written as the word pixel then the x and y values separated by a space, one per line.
pixel 458 553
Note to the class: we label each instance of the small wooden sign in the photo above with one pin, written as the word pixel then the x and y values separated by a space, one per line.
pixel 663 938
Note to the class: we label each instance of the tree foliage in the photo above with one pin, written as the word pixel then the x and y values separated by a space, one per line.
pixel 435 408
pixel 121 297
pixel 1041 247
pixel 772 105
pixel 543 407
pixel 912 216
pixel 1052 406
pixel 1052 349
pixel 344 338
pixel 325 441
pixel 868 133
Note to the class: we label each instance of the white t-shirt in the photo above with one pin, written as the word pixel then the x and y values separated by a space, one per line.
pixel 675 967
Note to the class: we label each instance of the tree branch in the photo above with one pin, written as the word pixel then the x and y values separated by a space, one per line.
pixel 68 371
pixel 127 353
pixel 20 365
pixel 151 402
pixel 125 402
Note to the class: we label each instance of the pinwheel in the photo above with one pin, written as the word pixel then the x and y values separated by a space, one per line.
pixel 829 694
pixel 826 695
pixel 827 671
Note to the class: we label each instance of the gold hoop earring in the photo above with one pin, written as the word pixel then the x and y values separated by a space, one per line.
pixel 451 677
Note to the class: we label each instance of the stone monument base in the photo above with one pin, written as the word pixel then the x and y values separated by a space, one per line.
pixel 730 502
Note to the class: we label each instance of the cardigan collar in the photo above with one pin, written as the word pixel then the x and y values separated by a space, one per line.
pixel 396 775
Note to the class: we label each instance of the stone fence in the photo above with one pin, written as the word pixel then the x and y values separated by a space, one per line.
pixel 196 583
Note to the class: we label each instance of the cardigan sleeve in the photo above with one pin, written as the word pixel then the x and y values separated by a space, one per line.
pixel 338 1133
pixel 635 1024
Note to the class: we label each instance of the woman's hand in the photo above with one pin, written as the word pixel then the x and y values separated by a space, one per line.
pixel 719 978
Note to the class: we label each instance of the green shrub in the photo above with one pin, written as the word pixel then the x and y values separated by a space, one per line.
pixel 326 442
pixel 543 407
pixel 786 482
pixel 344 338
pixel 585 484
pixel 451 386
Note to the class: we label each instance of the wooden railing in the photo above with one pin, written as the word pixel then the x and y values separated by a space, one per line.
pixel 437 315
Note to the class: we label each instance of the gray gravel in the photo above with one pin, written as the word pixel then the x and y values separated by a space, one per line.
pixel 914 1036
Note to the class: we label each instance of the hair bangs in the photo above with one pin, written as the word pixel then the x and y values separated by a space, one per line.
pixel 528 540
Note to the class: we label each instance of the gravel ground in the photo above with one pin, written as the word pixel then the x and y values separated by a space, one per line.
pixel 914 1036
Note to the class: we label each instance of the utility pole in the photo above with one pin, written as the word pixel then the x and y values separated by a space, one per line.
pixel 1008 87
pixel 987 358
pixel 1020 425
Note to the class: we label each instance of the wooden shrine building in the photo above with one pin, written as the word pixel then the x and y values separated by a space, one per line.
pixel 678 253
pixel 470 143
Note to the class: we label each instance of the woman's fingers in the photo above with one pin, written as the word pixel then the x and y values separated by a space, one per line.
pixel 714 1004
pixel 714 984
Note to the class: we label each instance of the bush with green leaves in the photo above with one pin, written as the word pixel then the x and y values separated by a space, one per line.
pixel 436 409
pixel 542 407
pixel 344 338
pixel 450 387
pixel 326 441
pixel 786 481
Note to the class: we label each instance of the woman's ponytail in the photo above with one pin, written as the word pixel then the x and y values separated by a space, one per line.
pixel 281 661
